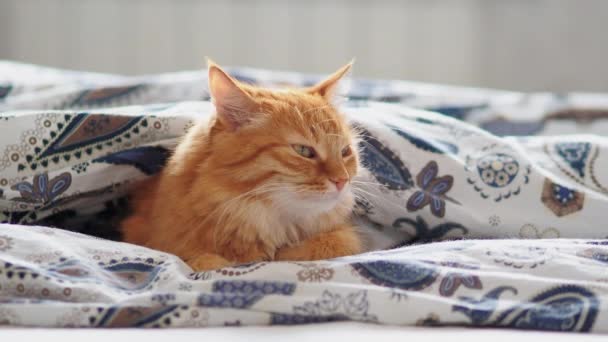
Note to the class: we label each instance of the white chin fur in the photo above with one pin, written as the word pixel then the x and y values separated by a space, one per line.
pixel 310 205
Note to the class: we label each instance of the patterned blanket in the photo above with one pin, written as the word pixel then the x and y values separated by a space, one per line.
pixel 474 164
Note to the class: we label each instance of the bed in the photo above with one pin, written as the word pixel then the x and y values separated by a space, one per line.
pixel 483 208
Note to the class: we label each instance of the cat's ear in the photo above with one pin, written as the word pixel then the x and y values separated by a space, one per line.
pixel 233 105
pixel 328 86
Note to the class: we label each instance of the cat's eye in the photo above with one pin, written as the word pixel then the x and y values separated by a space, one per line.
pixel 347 151
pixel 304 151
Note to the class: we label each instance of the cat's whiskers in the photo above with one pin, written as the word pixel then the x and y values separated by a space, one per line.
pixel 368 183
pixel 361 190
pixel 266 188
pixel 226 205
pixel 362 134
pixel 360 187
pixel 234 205
pixel 378 200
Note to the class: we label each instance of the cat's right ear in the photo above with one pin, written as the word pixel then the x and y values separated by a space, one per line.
pixel 327 87
pixel 233 105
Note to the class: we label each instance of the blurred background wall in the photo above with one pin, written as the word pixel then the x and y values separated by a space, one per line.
pixel 554 45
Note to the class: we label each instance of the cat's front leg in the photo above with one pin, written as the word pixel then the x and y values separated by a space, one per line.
pixel 207 262
pixel 341 241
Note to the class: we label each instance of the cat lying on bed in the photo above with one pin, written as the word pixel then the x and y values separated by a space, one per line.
pixel 268 178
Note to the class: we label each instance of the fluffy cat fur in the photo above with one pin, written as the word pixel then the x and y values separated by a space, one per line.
pixel 268 178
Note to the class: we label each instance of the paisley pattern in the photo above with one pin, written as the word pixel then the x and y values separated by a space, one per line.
pixel 427 144
pixel 405 276
pixel 68 137
pixel 148 159
pixel 474 178
pixel 384 164
pixel 563 308
pixel 88 282
pixel 107 96
pixel 575 154
pixel 577 160
pixel 127 275
pixel 4 91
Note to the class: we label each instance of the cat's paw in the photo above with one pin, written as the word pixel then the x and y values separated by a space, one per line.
pixel 333 244
pixel 207 262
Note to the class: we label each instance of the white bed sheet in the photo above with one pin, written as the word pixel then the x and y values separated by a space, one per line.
pixel 345 331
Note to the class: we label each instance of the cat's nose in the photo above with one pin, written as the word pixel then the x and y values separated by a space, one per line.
pixel 339 182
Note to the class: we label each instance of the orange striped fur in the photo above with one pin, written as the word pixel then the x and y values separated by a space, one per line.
pixel 238 188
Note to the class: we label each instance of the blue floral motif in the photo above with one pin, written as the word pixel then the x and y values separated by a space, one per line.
pixel 433 190
pixel 494 172
pixel 41 190
pixel 497 170
pixel 455 278
pixel 575 154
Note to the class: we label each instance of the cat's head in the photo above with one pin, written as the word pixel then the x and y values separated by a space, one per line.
pixel 289 146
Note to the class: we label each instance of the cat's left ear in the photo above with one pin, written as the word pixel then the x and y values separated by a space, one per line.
pixel 328 86
pixel 233 105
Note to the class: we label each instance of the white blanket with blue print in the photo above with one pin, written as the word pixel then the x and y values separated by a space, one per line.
pixel 474 164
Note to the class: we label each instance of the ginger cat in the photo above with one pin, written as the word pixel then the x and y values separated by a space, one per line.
pixel 268 178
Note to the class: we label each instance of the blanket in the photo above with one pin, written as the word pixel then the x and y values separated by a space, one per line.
pixel 473 164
